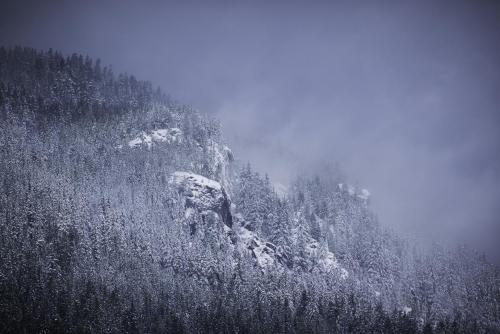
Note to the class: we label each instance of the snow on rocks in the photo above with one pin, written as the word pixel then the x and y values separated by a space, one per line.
pixel 169 136
pixel 268 254
pixel 219 156
pixel 325 259
pixel 263 252
pixel 203 194
pixel 209 199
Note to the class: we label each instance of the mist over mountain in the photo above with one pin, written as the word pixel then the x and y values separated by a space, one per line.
pixel 123 211
pixel 403 95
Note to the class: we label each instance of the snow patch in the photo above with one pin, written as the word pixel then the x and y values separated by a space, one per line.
pixel 261 250
pixel 195 180
pixel 169 136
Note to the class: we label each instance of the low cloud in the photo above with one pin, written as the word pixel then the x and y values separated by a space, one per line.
pixel 404 96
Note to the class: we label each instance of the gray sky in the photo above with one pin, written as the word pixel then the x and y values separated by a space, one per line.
pixel 405 96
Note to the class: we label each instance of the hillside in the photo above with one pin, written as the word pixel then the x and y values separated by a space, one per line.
pixel 123 211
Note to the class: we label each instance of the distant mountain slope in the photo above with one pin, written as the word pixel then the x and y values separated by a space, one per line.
pixel 122 211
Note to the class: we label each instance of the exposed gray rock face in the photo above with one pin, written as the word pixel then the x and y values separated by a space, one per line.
pixel 204 195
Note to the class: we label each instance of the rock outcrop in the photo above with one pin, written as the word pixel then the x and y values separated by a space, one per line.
pixel 204 195
pixel 265 253
pixel 211 201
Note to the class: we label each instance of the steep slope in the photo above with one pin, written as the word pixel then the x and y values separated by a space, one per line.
pixel 122 211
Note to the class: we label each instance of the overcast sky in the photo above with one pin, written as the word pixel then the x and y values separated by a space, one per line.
pixel 404 95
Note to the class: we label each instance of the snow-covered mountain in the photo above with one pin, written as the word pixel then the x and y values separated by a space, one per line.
pixel 123 211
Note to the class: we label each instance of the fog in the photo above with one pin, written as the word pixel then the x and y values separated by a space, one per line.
pixel 404 96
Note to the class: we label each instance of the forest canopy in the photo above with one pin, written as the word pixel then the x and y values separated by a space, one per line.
pixel 115 205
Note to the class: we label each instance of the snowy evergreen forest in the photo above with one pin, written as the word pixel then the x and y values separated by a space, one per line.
pixel 123 211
